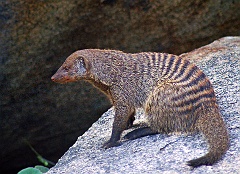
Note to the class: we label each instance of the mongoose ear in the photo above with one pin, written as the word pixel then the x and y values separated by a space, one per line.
pixel 83 64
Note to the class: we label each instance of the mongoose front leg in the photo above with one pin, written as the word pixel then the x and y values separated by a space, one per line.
pixel 123 114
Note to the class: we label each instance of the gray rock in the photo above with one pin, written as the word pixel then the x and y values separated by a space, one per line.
pixel 167 154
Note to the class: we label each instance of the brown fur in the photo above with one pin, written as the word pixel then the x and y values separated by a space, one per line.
pixel 175 94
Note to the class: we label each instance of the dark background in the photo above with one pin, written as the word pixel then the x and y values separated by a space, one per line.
pixel 37 36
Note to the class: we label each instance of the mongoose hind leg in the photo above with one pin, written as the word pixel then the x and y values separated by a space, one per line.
pixel 139 132
pixel 161 114
pixel 211 124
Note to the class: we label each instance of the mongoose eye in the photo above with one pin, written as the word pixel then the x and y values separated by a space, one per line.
pixel 66 68
pixel 80 62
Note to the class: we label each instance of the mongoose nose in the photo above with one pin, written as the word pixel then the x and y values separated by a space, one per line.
pixel 53 78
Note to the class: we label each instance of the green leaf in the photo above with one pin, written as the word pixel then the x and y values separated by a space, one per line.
pixel 30 170
pixel 42 168
pixel 42 160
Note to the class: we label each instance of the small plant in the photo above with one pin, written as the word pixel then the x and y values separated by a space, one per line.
pixel 34 170
pixel 39 169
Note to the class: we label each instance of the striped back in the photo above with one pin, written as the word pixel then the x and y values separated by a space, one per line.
pixel 195 88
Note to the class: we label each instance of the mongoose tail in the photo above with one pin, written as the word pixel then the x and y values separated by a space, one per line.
pixel 211 124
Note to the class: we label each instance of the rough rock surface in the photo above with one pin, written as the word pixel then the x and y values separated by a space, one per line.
pixel 167 154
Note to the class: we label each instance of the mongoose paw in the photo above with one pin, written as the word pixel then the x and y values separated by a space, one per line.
pixel 109 144
pixel 199 162
pixel 139 132
pixel 130 136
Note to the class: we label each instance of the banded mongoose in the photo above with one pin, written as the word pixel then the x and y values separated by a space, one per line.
pixel 174 93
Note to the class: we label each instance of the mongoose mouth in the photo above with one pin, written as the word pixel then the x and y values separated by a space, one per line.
pixel 57 80
pixel 62 79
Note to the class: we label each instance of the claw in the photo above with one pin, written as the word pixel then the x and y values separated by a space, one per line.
pixel 109 144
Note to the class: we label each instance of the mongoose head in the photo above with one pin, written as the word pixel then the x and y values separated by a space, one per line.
pixel 75 67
